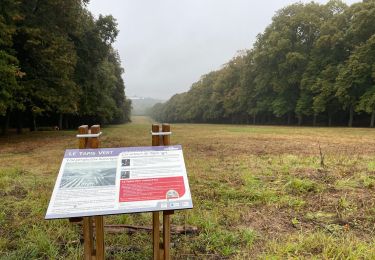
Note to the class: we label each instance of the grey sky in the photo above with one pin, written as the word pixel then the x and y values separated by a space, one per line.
pixel 166 45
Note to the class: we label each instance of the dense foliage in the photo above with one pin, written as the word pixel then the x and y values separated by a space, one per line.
pixel 314 64
pixel 58 66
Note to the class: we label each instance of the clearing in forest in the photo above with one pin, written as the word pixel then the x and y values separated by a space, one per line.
pixel 258 192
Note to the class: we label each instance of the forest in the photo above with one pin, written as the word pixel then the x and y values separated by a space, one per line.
pixel 58 66
pixel 313 65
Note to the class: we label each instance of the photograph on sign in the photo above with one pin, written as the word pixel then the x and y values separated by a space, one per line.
pixel 88 174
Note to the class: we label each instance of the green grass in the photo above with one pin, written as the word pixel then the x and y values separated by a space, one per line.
pixel 259 192
pixel 300 186
pixel 320 245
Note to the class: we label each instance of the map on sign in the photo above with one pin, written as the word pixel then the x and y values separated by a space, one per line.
pixel 120 180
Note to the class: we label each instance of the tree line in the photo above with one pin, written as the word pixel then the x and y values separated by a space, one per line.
pixel 58 66
pixel 314 64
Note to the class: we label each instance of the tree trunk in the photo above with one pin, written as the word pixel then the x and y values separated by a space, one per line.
pixel 314 120
pixel 5 126
pixel 269 118
pixel 351 115
pixel 300 120
pixel 289 118
pixel 60 121
pixel 66 123
pixel 254 119
pixel 372 122
pixel 34 123
pixel 19 122
pixel 329 120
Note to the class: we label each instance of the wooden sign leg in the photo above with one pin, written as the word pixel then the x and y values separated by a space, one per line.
pixel 167 233
pixel 99 221
pixel 166 138
pixel 161 251
pixel 99 233
pixel 155 215
pixel 82 142
pixel 88 239
pixel 92 251
pixel 166 214
pixel 156 235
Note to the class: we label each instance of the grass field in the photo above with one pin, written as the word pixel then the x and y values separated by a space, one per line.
pixel 259 192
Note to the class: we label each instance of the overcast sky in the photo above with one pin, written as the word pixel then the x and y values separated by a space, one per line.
pixel 166 45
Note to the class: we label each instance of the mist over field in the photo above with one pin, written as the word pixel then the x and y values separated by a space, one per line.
pixel 143 106
pixel 166 46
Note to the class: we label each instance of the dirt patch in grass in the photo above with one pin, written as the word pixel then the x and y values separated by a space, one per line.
pixel 18 192
pixel 259 219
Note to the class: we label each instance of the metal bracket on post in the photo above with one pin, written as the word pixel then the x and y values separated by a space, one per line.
pixel 161 133
pixel 88 135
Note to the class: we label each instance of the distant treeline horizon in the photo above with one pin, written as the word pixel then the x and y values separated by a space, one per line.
pixel 141 106
pixel 58 66
pixel 313 65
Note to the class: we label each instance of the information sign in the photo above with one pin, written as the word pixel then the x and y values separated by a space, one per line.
pixel 120 180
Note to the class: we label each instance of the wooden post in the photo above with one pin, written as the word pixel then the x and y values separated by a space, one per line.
pixel 166 138
pixel 167 233
pixel 88 239
pixel 91 252
pixel 94 141
pixel 166 214
pixel 155 215
pixel 155 138
pixel 99 240
pixel 99 221
pixel 87 221
pixel 82 142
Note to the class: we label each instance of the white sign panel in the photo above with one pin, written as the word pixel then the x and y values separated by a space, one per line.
pixel 120 180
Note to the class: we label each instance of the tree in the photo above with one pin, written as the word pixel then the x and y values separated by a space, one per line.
pixel 9 64
pixel 57 62
pixel 355 78
pixel 366 55
pixel 367 104
pixel 312 61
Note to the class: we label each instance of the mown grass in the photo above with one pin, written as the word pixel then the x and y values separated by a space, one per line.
pixel 259 193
